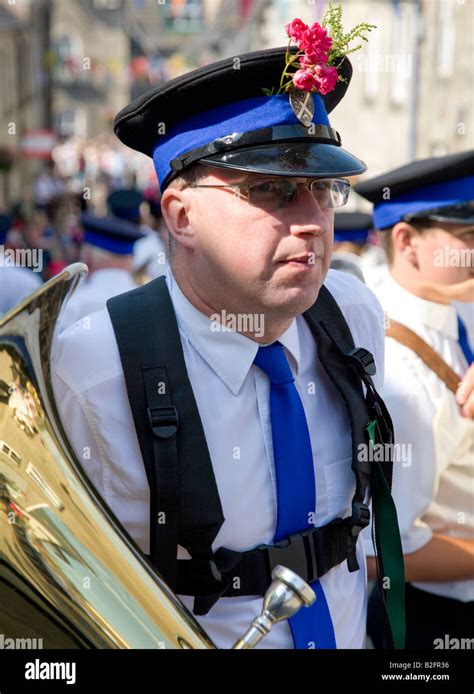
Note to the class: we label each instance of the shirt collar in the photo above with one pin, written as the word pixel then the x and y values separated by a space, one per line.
pixel 228 353
pixel 411 310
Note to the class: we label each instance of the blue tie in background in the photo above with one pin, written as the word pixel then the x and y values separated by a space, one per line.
pixel 311 627
pixel 464 342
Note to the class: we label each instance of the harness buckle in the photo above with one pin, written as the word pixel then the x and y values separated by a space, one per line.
pixel 360 518
pixel 363 359
pixel 292 552
pixel 163 421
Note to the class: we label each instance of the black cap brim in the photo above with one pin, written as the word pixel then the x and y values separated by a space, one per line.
pixel 299 159
pixel 463 213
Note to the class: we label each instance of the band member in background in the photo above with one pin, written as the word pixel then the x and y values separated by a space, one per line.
pixel 427 225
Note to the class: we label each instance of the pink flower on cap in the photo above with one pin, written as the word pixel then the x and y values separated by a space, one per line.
pixel 296 29
pixel 316 43
pixel 319 48
pixel 305 80
pixel 326 78
pixel 305 61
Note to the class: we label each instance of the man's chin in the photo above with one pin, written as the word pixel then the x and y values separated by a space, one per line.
pixel 293 301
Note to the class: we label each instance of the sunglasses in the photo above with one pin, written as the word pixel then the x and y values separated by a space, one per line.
pixel 275 193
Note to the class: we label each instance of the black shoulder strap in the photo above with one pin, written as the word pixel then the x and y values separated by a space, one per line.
pixel 334 340
pixel 370 424
pixel 185 507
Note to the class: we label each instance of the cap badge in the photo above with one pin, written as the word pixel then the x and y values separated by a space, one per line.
pixel 302 105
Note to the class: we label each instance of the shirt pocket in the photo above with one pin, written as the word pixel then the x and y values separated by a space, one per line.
pixel 340 487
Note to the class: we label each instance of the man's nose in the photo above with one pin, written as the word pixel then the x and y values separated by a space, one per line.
pixel 307 216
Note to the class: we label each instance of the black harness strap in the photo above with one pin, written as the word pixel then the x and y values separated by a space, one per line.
pixel 334 340
pixel 370 424
pixel 311 554
pixel 165 506
pixel 185 507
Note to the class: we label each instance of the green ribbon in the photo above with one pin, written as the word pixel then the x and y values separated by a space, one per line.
pixel 388 544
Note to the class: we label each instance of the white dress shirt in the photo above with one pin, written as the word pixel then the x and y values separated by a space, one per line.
pixel 369 266
pixel 232 396
pixel 94 292
pixel 434 487
pixel 376 276
pixel 16 283
pixel 372 257
pixel 149 253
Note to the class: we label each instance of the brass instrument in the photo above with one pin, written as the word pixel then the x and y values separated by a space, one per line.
pixel 70 576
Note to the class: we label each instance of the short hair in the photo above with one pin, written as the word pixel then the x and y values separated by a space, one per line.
pixel 386 240
pixel 387 243
pixel 194 174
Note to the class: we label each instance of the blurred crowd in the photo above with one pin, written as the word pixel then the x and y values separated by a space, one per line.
pixel 78 178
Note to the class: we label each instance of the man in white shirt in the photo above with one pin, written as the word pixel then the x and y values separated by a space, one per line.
pixel 16 283
pixel 353 251
pixel 107 250
pixel 425 211
pixel 151 252
pixel 248 192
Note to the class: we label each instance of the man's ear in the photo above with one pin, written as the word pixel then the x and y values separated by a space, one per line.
pixel 405 242
pixel 175 206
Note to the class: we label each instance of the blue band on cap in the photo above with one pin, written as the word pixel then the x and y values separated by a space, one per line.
pixel 355 235
pixel 3 237
pixel 454 192
pixel 109 243
pixel 238 117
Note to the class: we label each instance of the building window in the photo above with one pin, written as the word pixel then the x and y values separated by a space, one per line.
pixel 107 4
pixel 71 122
pixel 446 40
pixel 68 52
pixel 183 16
pixel 400 61
pixel 369 62
pixel 68 47
pixel 8 80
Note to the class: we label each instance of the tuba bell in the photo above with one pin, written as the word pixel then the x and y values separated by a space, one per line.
pixel 70 576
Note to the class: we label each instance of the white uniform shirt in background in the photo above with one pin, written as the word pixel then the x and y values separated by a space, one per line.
pixel 93 293
pixel 149 254
pixel 16 283
pixel 232 396
pixel 433 486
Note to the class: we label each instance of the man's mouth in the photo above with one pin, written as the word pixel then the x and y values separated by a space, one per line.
pixel 301 259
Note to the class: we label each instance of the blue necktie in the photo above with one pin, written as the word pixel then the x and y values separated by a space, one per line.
pixel 311 627
pixel 464 342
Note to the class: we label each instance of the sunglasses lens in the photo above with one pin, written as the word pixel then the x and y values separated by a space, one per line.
pixel 340 192
pixel 272 194
pixel 331 192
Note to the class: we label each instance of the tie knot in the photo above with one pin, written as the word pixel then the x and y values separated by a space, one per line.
pixel 272 361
